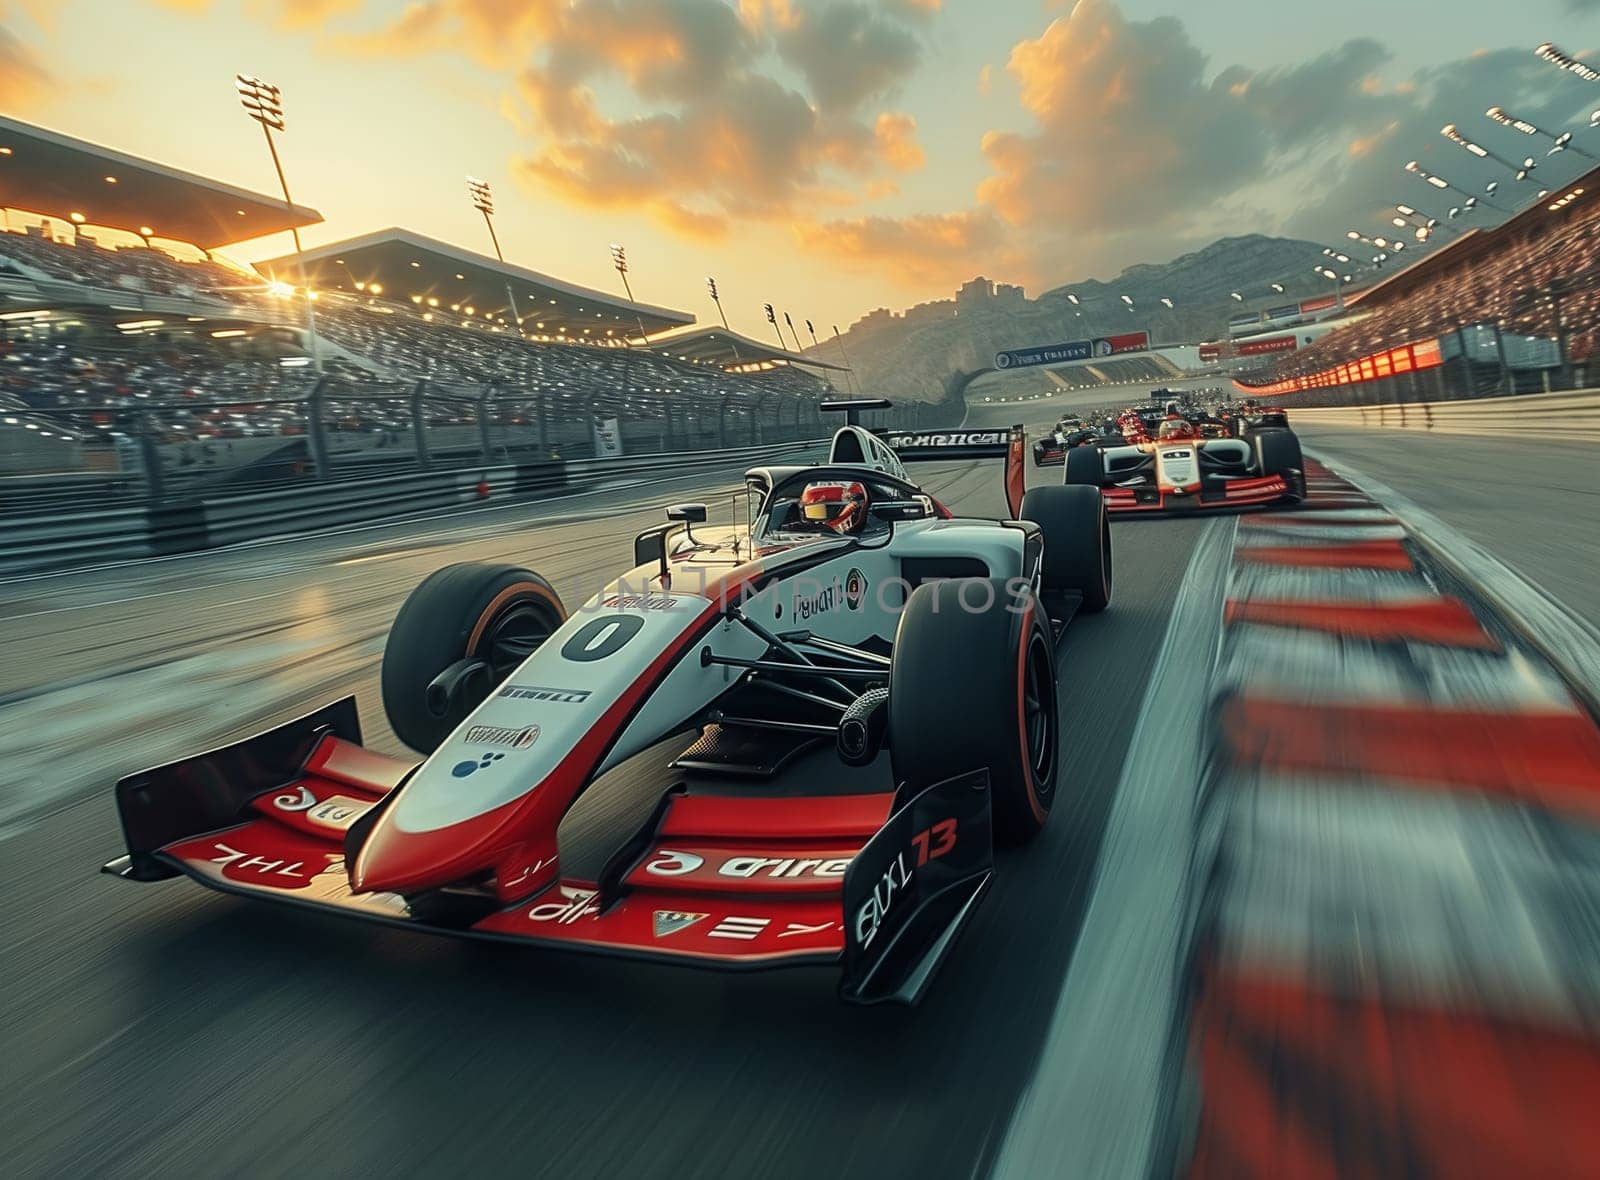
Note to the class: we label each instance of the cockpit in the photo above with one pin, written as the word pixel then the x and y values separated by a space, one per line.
pixel 846 502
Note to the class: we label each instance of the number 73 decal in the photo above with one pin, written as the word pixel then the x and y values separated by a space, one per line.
pixel 932 843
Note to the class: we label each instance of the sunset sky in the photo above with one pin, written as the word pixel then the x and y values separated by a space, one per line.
pixel 827 155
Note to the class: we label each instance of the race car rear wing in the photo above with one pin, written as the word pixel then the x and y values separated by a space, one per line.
pixel 944 446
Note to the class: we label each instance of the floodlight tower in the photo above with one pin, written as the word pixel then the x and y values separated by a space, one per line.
pixel 263 102
pixel 483 201
pixel 619 259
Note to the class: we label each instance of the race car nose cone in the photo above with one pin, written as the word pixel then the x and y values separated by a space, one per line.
pixel 393 860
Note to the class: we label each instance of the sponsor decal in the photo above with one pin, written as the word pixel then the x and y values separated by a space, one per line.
pixel 337 812
pixel 502 735
pixel 471 767
pixel 849 592
pixel 301 800
pixel 855 589
pixel 1072 350
pixel 965 438
pixel 746 867
pixel 668 863
pixel 574 904
pixel 929 844
pixel 639 602
pixel 896 880
pixel 561 696
pixel 742 929
pixel 668 922
pixel 801 928
pixel 244 862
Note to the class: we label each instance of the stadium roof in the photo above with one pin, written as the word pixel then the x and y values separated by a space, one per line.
pixel 399 265
pixel 46 172
pixel 1553 208
pixel 719 346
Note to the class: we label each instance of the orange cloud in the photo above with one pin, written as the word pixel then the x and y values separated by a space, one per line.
pixel 22 77
pixel 923 250
pixel 897 142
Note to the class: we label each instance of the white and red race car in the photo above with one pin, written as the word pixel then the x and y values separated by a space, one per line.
pixel 833 794
pixel 1176 469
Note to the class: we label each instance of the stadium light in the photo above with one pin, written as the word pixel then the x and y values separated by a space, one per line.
pixel 482 197
pixel 792 332
pixel 263 102
pixel 772 318
pixel 1562 142
pixel 711 287
pixel 1567 62
pixel 849 373
pixel 1442 184
pixel 619 259
pixel 1453 134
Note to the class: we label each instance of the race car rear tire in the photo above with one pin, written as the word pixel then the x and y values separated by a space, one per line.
pixel 1084 465
pixel 1278 453
pixel 1077 541
pixel 497 613
pixel 972 686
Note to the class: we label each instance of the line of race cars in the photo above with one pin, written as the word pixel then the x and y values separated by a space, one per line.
pixel 1173 454
pixel 829 796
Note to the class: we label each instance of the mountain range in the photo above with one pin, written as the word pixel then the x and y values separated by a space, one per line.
pixel 912 354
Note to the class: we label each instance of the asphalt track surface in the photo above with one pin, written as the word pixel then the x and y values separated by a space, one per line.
pixel 168 1029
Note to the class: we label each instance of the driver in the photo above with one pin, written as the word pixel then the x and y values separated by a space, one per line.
pixel 839 507
pixel 1177 427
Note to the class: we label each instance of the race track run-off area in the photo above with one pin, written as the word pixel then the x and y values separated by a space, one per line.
pixel 1317 897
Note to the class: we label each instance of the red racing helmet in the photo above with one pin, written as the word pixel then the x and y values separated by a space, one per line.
pixel 841 507
pixel 1178 427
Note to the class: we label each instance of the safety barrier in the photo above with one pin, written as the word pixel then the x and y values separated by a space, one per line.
pixel 64 540
pixel 1573 416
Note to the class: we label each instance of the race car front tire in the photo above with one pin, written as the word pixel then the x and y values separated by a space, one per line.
pixel 1084 465
pixel 972 686
pixel 1278 453
pixel 1077 541
pixel 499 614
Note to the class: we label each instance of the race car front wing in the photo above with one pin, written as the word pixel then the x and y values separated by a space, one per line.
pixel 878 883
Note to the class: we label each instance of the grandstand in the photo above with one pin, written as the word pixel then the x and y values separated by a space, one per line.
pixel 122 329
pixel 1515 308
pixel 51 173
pixel 448 282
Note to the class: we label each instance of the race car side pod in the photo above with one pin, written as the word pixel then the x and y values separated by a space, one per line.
pixel 911 889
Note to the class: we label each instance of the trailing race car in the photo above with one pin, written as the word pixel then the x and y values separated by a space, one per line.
pixel 860 689
pixel 1181 470
pixel 1051 450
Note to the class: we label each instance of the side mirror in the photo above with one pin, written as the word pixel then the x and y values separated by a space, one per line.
pixel 688 513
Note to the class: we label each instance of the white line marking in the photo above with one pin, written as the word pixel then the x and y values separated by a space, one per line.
pixel 1095 1104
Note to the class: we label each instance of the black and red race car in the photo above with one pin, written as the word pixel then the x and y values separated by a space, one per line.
pixel 1051 450
pixel 828 795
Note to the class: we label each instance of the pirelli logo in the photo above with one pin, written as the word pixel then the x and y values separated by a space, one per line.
pixel 974 438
